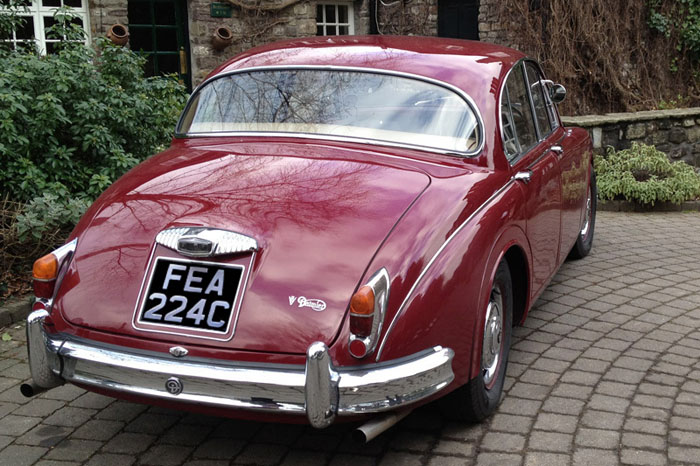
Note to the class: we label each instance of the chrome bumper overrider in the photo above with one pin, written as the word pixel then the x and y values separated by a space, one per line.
pixel 318 389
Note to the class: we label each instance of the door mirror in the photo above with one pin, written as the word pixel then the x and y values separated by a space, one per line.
pixel 557 93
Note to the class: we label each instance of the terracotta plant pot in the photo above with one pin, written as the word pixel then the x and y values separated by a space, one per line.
pixel 118 34
pixel 222 38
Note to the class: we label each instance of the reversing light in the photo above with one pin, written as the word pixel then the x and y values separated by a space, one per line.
pixel 367 310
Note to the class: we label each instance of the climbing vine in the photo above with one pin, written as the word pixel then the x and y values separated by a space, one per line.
pixel 612 56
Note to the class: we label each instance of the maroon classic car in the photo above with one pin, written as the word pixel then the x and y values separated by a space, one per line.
pixel 342 227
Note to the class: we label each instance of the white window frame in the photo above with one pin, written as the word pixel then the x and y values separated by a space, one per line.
pixel 36 13
pixel 350 24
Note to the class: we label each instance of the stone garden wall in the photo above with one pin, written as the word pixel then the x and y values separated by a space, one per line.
pixel 675 132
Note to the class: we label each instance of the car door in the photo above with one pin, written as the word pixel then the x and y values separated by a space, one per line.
pixel 528 137
pixel 573 167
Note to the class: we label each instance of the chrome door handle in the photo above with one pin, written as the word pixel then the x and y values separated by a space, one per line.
pixel 523 176
pixel 557 149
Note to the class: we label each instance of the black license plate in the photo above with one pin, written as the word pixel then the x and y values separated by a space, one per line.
pixel 197 295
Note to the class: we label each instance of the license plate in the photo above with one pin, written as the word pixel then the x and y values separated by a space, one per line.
pixel 196 295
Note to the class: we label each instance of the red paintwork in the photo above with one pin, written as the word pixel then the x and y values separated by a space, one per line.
pixel 328 215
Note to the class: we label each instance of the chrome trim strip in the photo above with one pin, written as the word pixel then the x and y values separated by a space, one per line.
pixel 432 260
pixel 318 389
pixel 401 74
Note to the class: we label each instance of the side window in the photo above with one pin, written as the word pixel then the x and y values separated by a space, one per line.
pixel 538 99
pixel 517 114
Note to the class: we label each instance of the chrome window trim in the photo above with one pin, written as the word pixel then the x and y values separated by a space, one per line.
pixel 521 63
pixel 466 97
pixel 423 272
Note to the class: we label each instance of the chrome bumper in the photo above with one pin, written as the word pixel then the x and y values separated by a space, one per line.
pixel 317 389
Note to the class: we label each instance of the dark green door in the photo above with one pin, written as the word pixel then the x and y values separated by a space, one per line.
pixel 158 29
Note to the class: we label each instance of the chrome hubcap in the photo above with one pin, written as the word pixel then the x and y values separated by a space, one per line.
pixel 587 214
pixel 493 337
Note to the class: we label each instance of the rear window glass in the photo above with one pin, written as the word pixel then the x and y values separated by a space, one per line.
pixel 355 104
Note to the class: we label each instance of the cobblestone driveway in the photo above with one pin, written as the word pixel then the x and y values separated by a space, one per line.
pixel 605 371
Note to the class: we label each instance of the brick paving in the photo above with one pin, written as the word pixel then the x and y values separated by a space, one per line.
pixel 606 370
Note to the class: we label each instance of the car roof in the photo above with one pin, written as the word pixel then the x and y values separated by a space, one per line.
pixel 475 67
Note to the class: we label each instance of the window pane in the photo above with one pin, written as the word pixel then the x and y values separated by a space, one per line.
pixel 340 103
pixel 520 108
pixel 164 13
pixel 166 39
pixel 48 22
pixel 330 31
pixel 73 3
pixel 26 31
pixel 510 139
pixel 139 13
pixel 342 13
pixel 536 89
pixel 319 13
pixel 343 30
pixel 77 22
pixel 51 2
pixel 51 47
pixel 330 13
pixel 168 64
pixel 140 38
pixel 319 31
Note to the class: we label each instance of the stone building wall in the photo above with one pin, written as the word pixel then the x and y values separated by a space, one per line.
pixel 675 132
pixel 105 13
pixel 297 20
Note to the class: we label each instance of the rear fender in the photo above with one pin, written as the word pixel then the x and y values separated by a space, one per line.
pixel 447 304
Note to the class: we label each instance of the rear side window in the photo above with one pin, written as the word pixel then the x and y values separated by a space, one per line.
pixel 538 99
pixel 516 115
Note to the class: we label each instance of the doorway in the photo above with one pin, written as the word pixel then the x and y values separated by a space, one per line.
pixel 158 30
pixel 458 19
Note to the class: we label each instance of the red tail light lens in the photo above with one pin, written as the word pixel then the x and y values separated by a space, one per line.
pixel 362 312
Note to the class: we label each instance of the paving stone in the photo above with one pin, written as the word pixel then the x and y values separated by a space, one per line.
pixel 550 441
pixel 111 459
pixel 129 443
pixel 304 458
pixel 165 455
pixel 219 449
pixel 149 423
pixel 121 411
pixel 511 423
pixel 98 429
pixel 642 457
pixel 498 459
pixel 496 441
pixel 39 407
pixel 401 459
pixel 74 450
pixel 594 457
pixel 70 417
pixel 17 425
pixel 602 420
pixel 44 435
pixel 21 455
pixel 598 438
pixel 449 447
pixel 556 422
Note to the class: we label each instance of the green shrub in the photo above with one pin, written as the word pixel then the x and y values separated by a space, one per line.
pixel 644 175
pixel 71 123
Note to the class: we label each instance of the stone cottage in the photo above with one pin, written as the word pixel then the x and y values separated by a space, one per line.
pixel 192 37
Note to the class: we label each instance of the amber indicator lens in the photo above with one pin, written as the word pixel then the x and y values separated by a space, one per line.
pixel 45 268
pixel 362 302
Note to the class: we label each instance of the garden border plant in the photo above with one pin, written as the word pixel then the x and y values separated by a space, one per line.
pixel 644 175
pixel 71 123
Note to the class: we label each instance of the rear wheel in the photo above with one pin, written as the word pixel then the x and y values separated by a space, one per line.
pixel 479 398
pixel 584 242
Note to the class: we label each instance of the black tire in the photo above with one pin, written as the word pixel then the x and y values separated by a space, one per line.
pixel 479 398
pixel 584 242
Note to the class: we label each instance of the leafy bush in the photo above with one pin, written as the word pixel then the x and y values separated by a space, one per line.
pixel 71 123
pixel 644 174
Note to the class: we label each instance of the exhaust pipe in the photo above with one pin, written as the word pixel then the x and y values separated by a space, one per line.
pixel 372 429
pixel 31 389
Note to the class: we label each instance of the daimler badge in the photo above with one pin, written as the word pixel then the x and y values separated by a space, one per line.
pixel 173 386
